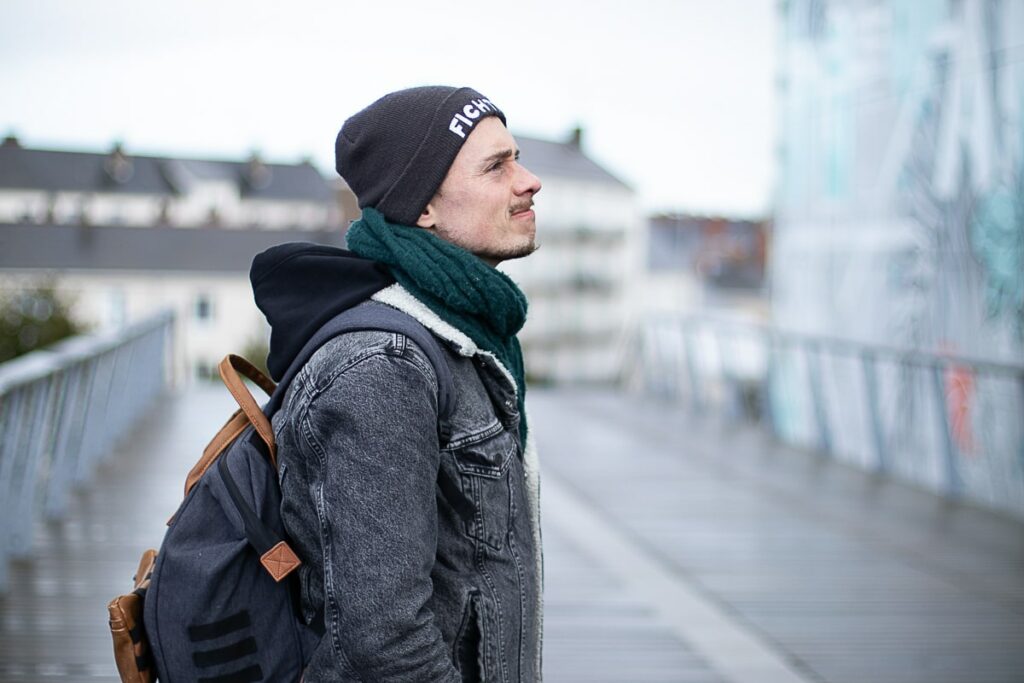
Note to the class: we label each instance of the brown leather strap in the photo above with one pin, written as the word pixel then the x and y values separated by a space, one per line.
pixel 231 366
pixel 253 373
pixel 145 570
pixel 131 646
pixel 229 369
pixel 231 429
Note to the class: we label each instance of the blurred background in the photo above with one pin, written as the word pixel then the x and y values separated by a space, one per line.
pixel 220 118
pixel 801 219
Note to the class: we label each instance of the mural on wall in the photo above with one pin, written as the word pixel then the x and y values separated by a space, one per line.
pixel 997 232
pixel 900 220
pixel 961 178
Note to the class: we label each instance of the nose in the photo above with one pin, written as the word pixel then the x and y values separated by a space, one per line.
pixel 526 182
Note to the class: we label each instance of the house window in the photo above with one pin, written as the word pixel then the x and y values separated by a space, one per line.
pixel 203 308
pixel 204 371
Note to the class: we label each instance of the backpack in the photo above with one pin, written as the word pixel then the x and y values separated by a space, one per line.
pixel 219 602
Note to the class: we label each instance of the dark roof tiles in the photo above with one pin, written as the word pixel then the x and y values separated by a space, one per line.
pixel 561 159
pixel 56 171
pixel 53 171
pixel 112 248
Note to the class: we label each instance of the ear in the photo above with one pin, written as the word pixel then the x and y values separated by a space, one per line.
pixel 428 219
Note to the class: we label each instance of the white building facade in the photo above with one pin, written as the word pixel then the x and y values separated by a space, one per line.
pixel 583 282
pixel 82 188
pixel 121 237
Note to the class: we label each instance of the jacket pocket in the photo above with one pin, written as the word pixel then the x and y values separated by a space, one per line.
pixel 469 643
pixel 484 471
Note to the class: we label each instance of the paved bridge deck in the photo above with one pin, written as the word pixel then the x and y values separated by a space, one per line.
pixel 675 551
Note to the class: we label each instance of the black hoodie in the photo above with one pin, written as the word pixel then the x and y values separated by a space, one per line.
pixel 299 286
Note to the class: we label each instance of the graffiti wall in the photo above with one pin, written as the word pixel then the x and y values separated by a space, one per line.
pixel 900 221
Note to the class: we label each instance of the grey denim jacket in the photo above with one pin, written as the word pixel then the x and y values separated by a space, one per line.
pixel 420 541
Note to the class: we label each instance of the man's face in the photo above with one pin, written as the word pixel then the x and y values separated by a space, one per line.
pixel 484 203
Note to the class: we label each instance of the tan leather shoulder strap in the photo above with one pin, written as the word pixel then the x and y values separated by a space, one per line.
pixel 231 429
pixel 145 571
pixel 250 371
pixel 229 369
pixel 248 412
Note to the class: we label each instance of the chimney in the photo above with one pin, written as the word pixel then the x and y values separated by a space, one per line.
pixel 257 173
pixel 118 166
pixel 576 137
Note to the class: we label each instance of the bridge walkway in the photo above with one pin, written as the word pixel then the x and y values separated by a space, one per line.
pixel 676 550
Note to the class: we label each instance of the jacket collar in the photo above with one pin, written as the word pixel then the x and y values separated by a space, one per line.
pixel 399 297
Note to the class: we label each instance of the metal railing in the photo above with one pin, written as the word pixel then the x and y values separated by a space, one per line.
pixel 950 423
pixel 62 410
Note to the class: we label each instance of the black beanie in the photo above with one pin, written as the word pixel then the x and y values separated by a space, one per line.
pixel 395 153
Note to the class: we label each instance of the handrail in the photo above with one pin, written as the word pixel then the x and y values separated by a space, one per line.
pixel 852 346
pixel 949 422
pixel 62 410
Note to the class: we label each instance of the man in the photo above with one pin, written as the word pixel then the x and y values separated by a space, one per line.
pixel 420 537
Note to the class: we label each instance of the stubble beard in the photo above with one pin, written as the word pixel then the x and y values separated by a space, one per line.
pixel 494 255
pixel 510 253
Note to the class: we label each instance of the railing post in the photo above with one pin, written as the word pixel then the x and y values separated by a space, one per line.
pixel 812 354
pixel 66 445
pixel 729 403
pixel 34 447
pixel 119 404
pixel 11 410
pixel 953 482
pixel 652 357
pixel 696 391
pixel 96 417
pixel 669 364
pixel 869 364
pixel 768 410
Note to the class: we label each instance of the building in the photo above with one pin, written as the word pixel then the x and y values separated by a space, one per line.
pixel 701 262
pixel 582 281
pixel 81 188
pixel 124 235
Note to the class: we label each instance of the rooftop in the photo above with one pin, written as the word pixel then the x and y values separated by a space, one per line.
pixel 562 159
pixel 119 172
pixel 113 248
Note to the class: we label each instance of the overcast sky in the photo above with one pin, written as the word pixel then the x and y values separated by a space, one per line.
pixel 676 97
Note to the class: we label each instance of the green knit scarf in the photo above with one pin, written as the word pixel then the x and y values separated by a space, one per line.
pixel 465 292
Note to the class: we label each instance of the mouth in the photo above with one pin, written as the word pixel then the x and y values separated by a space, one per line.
pixel 522 211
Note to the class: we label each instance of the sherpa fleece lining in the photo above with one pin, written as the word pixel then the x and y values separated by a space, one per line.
pixel 399 297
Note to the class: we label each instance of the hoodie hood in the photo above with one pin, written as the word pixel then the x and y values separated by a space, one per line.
pixel 299 286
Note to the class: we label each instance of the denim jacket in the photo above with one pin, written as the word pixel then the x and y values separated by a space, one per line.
pixel 420 541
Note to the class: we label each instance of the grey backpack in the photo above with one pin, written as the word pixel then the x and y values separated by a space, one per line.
pixel 221 602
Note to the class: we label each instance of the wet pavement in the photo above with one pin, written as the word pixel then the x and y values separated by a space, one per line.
pixel 675 550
